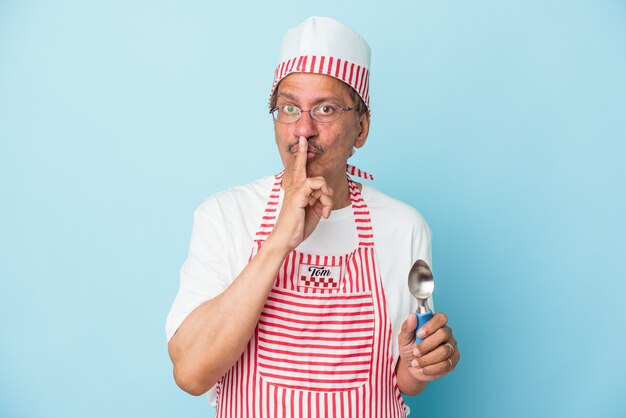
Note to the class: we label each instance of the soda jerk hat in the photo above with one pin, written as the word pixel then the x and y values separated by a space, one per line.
pixel 322 45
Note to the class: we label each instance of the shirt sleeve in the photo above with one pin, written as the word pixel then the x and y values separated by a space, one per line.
pixel 205 273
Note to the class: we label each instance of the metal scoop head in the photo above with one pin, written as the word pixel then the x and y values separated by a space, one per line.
pixel 421 285
pixel 421 281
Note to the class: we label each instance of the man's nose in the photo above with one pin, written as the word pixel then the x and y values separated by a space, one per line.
pixel 306 126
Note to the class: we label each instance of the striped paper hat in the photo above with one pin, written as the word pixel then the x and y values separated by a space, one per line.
pixel 323 45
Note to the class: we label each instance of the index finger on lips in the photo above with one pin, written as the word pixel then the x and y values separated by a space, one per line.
pixel 299 167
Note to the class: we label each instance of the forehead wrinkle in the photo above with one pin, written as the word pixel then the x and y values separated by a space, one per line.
pixel 286 95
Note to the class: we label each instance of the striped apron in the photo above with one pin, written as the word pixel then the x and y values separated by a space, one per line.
pixel 322 346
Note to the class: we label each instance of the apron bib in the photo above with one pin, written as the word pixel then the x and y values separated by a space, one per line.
pixel 322 346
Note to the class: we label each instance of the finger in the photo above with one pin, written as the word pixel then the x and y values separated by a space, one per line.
pixel 317 183
pixel 312 185
pixel 436 371
pixel 322 208
pixel 299 167
pixel 442 367
pixel 327 204
pixel 407 332
pixel 441 336
pixel 308 191
pixel 317 188
pixel 439 368
pixel 437 321
pixel 419 375
pixel 314 196
pixel 328 190
pixel 451 345
pixel 439 354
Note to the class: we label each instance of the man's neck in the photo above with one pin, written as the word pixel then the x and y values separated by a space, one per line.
pixel 341 191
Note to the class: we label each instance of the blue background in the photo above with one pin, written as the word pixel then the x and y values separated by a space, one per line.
pixel 503 122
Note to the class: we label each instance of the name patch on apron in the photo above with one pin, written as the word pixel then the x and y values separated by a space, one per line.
pixel 319 276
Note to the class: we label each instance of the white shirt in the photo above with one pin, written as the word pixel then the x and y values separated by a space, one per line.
pixel 222 238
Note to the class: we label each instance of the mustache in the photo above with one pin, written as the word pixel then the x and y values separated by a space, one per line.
pixel 315 145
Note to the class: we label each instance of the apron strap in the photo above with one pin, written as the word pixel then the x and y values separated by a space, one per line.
pixel 362 216
pixel 350 169
pixel 271 211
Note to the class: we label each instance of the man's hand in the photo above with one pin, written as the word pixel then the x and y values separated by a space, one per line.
pixel 431 359
pixel 211 339
pixel 307 200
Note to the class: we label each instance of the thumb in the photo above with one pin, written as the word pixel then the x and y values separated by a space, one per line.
pixel 407 333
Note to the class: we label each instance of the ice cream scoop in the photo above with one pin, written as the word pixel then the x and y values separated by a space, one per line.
pixel 421 285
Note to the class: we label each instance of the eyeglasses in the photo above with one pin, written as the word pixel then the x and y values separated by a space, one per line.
pixel 324 113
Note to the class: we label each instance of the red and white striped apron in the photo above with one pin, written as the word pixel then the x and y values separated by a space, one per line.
pixel 322 347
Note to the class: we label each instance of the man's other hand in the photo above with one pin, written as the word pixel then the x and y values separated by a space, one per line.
pixel 435 356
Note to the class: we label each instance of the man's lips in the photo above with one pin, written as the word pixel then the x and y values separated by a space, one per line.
pixel 311 152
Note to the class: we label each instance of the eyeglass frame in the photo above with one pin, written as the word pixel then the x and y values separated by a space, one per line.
pixel 342 109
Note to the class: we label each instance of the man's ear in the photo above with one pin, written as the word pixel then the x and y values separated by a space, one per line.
pixel 363 130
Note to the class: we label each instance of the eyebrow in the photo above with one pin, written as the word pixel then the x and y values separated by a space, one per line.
pixel 317 101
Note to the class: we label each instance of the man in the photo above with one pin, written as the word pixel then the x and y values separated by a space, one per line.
pixel 293 296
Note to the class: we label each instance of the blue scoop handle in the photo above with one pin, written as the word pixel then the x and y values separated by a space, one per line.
pixel 422 318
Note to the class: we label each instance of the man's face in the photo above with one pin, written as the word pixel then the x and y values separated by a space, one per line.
pixel 330 144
